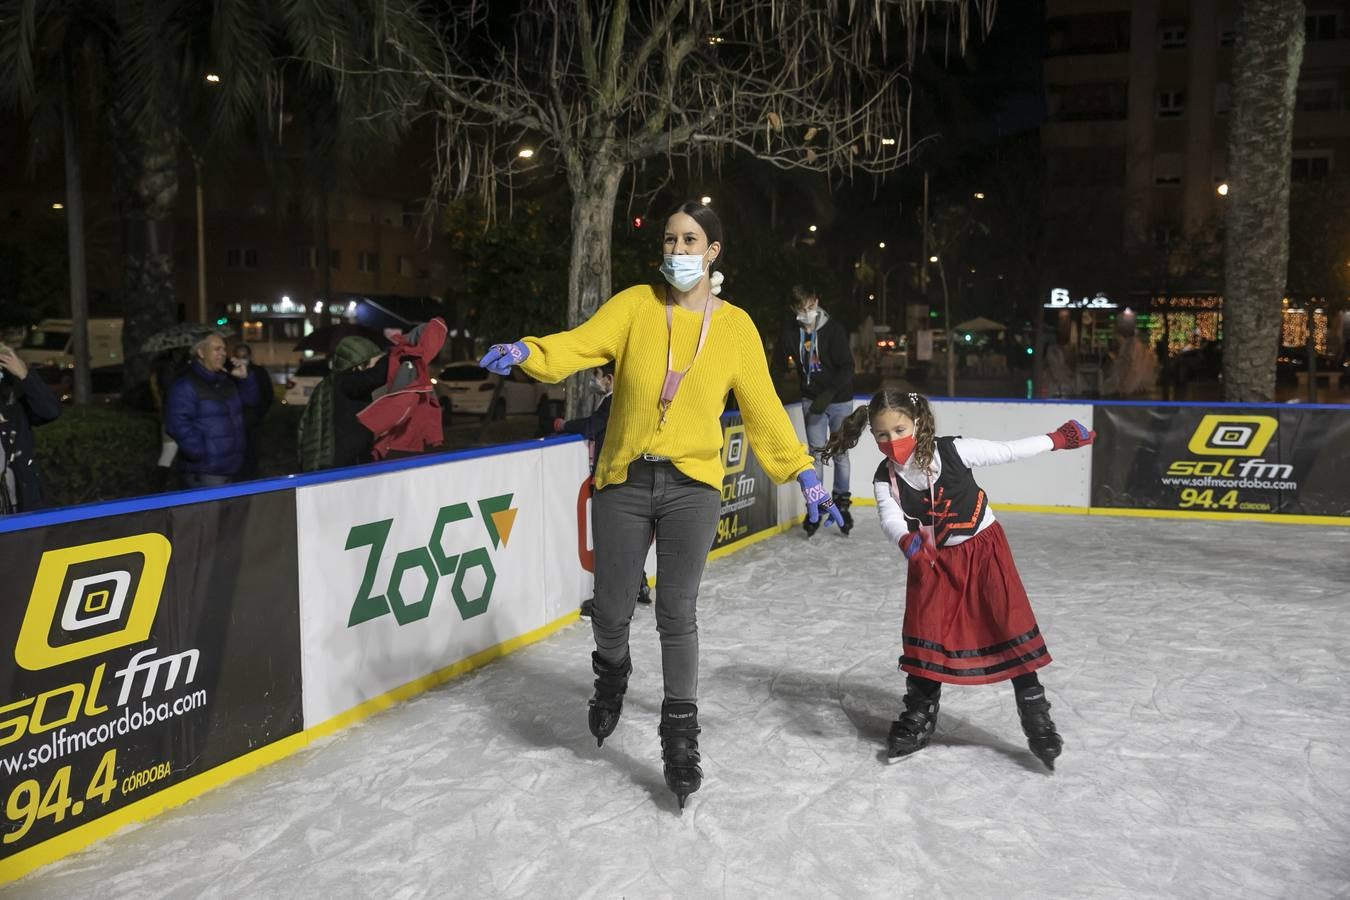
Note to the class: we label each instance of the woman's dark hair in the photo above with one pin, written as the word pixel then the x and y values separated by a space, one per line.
pixel 711 225
pixel 913 405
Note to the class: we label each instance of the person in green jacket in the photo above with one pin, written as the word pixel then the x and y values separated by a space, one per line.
pixel 330 435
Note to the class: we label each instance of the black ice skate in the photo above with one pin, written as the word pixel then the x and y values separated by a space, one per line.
pixel 1034 711
pixel 843 502
pixel 812 527
pixel 912 731
pixel 587 608
pixel 679 748
pixel 644 592
pixel 611 683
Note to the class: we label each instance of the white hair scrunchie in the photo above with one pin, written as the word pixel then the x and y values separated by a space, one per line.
pixel 716 280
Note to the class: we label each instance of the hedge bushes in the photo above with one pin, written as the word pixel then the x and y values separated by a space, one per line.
pixel 96 453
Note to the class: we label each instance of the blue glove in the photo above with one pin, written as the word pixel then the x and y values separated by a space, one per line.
pixel 918 544
pixel 818 499
pixel 501 357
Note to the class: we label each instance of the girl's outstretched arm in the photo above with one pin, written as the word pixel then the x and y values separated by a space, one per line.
pixel 1069 436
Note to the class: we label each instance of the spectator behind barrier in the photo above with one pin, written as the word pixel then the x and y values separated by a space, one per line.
pixel 205 415
pixel 24 402
pixel 243 355
pixel 330 435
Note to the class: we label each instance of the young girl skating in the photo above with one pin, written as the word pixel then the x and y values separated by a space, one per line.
pixel 967 617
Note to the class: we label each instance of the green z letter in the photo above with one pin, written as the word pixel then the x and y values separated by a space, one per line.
pixel 372 535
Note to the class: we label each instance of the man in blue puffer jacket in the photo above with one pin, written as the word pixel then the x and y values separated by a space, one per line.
pixel 205 415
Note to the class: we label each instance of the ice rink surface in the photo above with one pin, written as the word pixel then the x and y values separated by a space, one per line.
pixel 1200 683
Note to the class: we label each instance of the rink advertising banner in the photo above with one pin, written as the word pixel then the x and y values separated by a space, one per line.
pixel 1223 459
pixel 407 573
pixel 139 650
pixel 749 496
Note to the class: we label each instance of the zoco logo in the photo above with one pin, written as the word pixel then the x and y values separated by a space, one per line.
pixel 434 562
pixel 92 598
pixel 1232 435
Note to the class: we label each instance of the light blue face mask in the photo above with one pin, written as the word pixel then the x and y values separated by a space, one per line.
pixel 682 271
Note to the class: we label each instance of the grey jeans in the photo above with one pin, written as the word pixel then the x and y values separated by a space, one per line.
pixel 657 499
pixel 818 431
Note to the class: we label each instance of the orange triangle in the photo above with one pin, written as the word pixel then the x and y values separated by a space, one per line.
pixel 505 521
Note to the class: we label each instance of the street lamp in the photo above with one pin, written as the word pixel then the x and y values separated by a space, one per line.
pixel 213 77
pixel 705 200
pixel 888 142
pixel 58 206
pixel 932 259
pixel 881 245
pixel 811 229
pixel 979 195
pixel 1222 189
pixel 525 152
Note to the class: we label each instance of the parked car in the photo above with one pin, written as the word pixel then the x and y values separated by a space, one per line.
pixel 465 387
pixel 52 344
pixel 301 383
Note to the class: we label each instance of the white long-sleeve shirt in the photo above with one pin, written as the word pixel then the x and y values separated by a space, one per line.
pixel 974 453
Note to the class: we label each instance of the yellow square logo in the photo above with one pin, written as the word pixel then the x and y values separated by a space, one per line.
pixel 1232 435
pixel 72 605
pixel 96 601
pixel 733 449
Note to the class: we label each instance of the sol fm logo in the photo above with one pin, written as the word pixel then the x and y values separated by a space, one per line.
pixel 92 598
pixel 733 449
pixel 435 563
pixel 1232 435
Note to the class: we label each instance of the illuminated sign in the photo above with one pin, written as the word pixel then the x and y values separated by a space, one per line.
pixel 1060 299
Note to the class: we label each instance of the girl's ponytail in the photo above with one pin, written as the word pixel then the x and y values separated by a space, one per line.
pixel 846 438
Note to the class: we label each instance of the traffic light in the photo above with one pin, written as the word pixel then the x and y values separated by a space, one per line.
pixel 222 320
pixel 637 221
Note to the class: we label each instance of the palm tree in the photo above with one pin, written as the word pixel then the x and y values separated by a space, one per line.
pixel 1266 60
pixel 45 61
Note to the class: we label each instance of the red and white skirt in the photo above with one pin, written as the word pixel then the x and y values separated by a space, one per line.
pixel 968 619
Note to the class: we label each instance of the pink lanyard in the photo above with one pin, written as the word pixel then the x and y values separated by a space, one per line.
pixel 674 378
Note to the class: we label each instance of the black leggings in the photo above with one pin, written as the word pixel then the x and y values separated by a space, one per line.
pixel 928 689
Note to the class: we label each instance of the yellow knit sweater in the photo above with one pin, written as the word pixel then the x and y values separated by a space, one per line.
pixel 630 329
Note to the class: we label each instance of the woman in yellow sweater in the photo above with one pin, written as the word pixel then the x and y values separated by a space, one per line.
pixel 677 351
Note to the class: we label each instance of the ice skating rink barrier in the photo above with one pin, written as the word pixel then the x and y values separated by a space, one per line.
pixel 154 648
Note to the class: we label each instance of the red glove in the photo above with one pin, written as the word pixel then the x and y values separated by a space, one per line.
pixel 1071 435
pixel 919 545
pixel 557 426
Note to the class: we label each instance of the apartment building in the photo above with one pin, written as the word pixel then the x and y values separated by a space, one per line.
pixel 1138 96
pixel 264 270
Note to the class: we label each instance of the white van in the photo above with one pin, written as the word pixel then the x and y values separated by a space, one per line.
pixel 51 344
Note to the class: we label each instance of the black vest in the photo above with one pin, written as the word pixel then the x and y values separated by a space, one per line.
pixel 960 502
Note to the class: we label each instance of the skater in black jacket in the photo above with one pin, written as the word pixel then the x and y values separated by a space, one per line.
pixel 816 348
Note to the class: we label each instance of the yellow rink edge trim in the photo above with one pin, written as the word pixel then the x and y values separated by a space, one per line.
pixel 76 839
